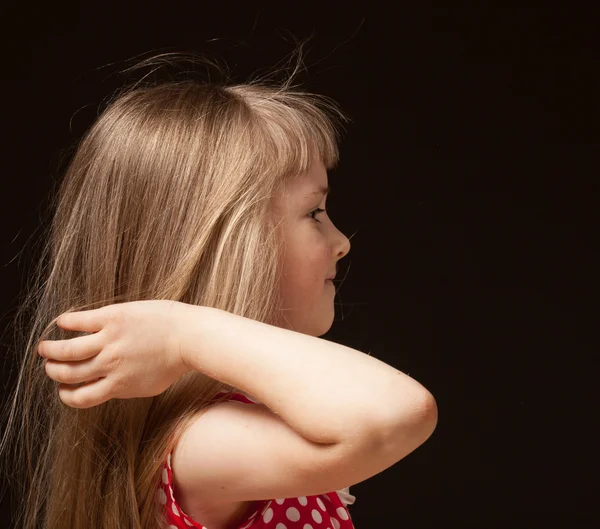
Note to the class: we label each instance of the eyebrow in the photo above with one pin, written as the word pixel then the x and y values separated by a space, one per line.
pixel 320 191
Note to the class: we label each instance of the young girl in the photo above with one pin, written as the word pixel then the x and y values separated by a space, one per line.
pixel 197 392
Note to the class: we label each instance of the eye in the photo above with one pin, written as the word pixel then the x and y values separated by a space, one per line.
pixel 316 212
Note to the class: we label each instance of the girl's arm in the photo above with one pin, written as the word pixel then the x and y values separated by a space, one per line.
pixel 330 417
pixel 327 392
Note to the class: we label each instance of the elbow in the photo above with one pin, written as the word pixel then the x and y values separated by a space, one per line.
pixel 416 419
pixel 421 412
pixel 427 415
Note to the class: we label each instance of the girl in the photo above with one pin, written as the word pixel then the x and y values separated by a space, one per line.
pixel 196 392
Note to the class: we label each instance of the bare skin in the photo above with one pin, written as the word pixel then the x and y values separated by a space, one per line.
pixel 313 247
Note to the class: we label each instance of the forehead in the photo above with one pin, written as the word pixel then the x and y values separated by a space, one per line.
pixel 309 185
pixel 300 191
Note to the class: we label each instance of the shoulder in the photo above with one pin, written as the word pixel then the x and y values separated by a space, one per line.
pixel 181 500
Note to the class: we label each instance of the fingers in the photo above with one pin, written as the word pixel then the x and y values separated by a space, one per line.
pixel 71 350
pixel 87 320
pixel 75 372
pixel 90 394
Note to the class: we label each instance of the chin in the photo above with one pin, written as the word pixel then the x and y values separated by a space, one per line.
pixel 324 329
pixel 317 329
pixel 311 326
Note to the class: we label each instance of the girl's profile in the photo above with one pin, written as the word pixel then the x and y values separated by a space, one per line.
pixel 172 373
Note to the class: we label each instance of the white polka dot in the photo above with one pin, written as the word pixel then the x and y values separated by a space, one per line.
pixel 293 514
pixel 187 522
pixel 280 526
pixel 316 516
pixel 335 522
pixel 280 501
pixel 165 476
pixel 268 516
pixel 175 510
pixel 307 526
pixel 172 527
pixel 302 500
pixel 162 497
pixel 321 504
pixel 342 513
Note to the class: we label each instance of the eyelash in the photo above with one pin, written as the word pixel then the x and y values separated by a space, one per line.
pixel 315 212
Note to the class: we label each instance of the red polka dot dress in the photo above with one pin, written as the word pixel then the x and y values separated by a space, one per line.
pixel 323 511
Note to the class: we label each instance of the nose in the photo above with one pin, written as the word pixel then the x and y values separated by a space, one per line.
pixel 342 246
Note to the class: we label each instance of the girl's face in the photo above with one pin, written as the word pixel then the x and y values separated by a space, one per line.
pixel 313 245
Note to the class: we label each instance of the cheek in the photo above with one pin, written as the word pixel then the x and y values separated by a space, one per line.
pixel 308 263
pixel 313 250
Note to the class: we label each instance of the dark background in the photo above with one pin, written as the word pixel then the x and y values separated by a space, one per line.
pixel 469 179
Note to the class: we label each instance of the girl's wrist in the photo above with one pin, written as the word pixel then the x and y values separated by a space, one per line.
pixel 190 323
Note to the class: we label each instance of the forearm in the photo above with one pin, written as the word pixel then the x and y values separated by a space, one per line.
pixel 325 391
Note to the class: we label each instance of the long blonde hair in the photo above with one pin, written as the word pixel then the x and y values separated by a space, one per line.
pixel 167 196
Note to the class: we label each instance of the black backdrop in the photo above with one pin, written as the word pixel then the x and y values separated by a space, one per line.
pixel 469 178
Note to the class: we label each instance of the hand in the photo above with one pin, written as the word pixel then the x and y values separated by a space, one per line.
pixel 131 352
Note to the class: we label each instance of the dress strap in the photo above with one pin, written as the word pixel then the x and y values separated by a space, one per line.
pixel 234 396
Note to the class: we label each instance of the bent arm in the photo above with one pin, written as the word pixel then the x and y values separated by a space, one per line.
pixel 325 391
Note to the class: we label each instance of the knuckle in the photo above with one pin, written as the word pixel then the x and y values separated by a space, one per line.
pixel 113 358
pixel 70 350
pixel 117 388
pixel 115 322
pixel 65 350
pixel 118 315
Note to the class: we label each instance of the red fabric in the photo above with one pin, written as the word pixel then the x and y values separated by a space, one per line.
pixel 323 511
